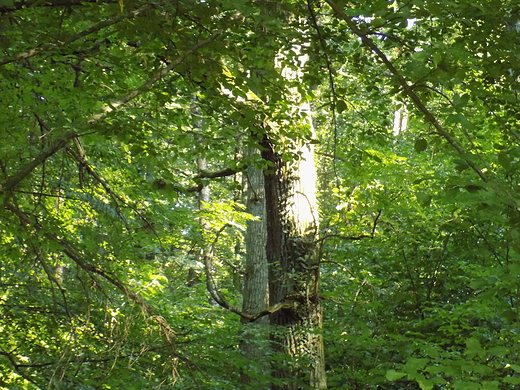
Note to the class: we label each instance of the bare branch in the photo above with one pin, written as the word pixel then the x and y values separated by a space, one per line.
pixel 211 281
pixel 213 289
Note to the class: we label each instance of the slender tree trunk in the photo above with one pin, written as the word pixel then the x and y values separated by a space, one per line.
pixel 292 254
pixel 255 289
pixel 203 195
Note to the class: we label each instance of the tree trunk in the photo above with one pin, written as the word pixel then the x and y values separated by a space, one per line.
pixel 292 254
pixel 255 288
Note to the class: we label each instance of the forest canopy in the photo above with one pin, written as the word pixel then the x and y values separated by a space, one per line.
pixel 259 194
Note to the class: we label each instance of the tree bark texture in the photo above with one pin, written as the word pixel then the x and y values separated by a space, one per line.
pixel 292 254
pixel 255 289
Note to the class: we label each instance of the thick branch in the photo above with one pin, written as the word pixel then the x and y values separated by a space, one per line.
pixel 13 181
pixel 408 90
pixel 75 37
pixel 222 173
pixel 161 184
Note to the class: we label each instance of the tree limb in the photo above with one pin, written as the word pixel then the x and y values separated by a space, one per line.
pixel 162 184
pixel 60 143
pixel 217 174
pixel 75 256
pixel 214 291
pixel 407 88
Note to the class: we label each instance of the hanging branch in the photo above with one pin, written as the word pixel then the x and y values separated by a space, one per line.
pixel 78 258
pixel 407 88
pixel 211 281
pixel 216 294
pixel 60 143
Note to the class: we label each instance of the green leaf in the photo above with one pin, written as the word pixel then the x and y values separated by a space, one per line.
pixel 420 71
pixel 377 22
pixel 432 352
pixel 373 154
pixel 460 101
pixel 341 106
pixel 498 351
pixel 490 385
pixel 511 380
pixel 435 369
pixel 424 199
pixel 466 385
pixel 461 119
pixel 461 165
pixel 473 347
pixel 393 375
pixel 415 364
pixel 505 160
pixel 420 145
pixel 425 384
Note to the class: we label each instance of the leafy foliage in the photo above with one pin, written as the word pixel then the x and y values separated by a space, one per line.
pixel 106 108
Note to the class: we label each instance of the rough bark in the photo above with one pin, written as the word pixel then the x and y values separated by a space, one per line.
pixel 292 255
pixel 255 288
